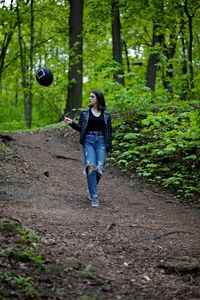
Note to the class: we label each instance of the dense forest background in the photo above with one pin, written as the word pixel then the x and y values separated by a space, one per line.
pixel 144 56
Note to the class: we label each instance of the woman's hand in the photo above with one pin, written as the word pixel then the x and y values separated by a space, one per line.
pixel 68 120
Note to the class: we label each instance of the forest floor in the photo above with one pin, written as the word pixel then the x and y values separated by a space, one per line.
pixel 142 242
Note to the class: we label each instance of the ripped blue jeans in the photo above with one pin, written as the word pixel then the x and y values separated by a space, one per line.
pixel 94 153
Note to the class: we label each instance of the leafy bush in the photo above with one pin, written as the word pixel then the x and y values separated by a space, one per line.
pixel 160 140
pixel 19 258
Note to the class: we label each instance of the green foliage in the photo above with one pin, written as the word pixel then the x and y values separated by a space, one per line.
pixel 50 49
pixel 4 149
pixel 161 141
pixel 22 282
pixel 27 236
pixel 28 239
pixel 18 249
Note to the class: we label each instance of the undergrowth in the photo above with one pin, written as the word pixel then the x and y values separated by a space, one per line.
pixel 28 271
pixel 18 259
pixel 158 138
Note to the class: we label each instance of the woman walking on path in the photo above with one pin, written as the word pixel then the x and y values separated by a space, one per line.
pixel 95 130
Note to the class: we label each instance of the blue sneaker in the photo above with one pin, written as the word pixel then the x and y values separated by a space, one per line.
pixel 95 202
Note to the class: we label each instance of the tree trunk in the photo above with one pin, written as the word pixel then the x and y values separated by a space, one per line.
pixel 26 82
pixel 190 54
pixel 168 72
pixel 75 74
pixel 30 100
pixel 127 58
pixel 6 42
pixel 116 40
pixel 23 65
pixel 184 69
pixel 153 60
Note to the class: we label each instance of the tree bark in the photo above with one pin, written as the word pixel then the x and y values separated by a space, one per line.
pixel 153 60
pixel 6 42
pixel 75 74
pixel 169 52
pixel 30 101
pixel 116 41
pixel 184 69
pixel 190 54
pixel 26 81
pixel 127 58
pixel 23 65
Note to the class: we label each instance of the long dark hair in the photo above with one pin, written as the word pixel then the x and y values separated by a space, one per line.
pixel 101 100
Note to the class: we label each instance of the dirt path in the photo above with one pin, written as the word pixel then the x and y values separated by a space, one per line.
pixel 126 239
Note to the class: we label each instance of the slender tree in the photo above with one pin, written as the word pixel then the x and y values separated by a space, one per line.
pixel 190 16
pixel 23 61
pixel 153 58
pixel 127 57
pixel 26 66
pixel 75 73
pixel 184 80
pixel 30 100
pixel 7 37
pixel 116 40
